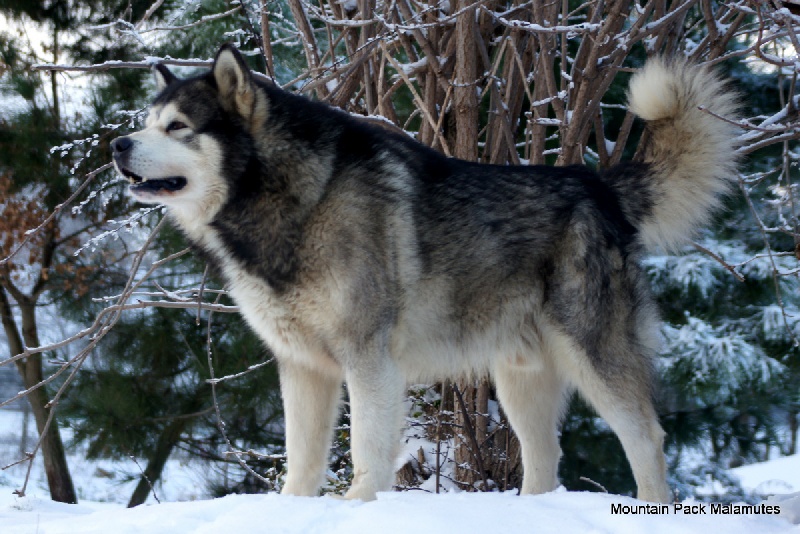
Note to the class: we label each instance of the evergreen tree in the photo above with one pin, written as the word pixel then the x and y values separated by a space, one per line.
pixel 145 394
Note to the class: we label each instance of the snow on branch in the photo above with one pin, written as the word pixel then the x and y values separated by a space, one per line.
pixel 107 65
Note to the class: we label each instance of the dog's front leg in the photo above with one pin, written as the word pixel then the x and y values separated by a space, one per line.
pixel 310 406
pixel 376 415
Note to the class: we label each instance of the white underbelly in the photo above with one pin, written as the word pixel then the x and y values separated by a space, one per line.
pixel 428 345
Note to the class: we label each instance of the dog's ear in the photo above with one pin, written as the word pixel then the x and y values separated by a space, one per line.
pixel 234 81
pixel 163 76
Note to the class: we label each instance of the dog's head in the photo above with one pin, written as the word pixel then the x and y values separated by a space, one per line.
pixel 197 136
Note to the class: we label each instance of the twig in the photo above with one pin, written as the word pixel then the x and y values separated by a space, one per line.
pixel 146 478
pixel 220 422
pixel 746 125
pixel 439 437
pixel 240 374
pixel 200 295
pixel 596 484
pixel 730 268
pixel 108 65
pixel 778 292
pixel 146 64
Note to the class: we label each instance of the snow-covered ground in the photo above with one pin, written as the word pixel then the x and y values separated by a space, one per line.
pixel 186 508
pixel 778 476
pixel 95 480
pixel 402 513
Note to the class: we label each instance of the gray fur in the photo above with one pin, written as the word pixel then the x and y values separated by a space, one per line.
pixel 359 255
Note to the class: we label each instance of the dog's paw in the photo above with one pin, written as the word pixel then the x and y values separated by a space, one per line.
pixel 360 493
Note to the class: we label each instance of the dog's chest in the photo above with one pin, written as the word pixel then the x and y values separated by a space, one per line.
pixel 270 316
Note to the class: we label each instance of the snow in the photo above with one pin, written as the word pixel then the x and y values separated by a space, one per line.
pixel 348 5
pixel 781 475
pixel 401 513
pixel 406 512
pixel 103 480
pixel 777 481
pixel 185 506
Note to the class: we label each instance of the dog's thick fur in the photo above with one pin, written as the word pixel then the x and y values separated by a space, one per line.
pixel 359 255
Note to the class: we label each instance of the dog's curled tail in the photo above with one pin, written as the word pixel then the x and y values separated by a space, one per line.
pixel 689 152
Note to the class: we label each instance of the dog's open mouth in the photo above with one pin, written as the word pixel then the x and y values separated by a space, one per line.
pixel 154 185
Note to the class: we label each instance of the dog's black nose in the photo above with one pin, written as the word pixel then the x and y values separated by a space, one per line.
pixel 121 144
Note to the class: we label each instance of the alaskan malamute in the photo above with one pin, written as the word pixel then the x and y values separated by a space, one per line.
pixel 360 255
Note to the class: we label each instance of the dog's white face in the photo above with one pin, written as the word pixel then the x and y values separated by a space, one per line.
pixel 196 139
pixel 170 163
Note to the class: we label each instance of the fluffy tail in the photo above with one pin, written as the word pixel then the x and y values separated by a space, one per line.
pixel 689 154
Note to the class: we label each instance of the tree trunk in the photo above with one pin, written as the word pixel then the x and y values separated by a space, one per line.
pixel 168 439
pixel 155 463
pixel 470 438
pixel 26 417
pixel 465 92
pixel 465 470
pixel 59 479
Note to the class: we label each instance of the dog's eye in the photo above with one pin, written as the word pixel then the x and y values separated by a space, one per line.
pixel 176 125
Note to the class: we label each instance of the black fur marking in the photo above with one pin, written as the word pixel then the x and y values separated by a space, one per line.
pixel 633 183
pixel 619 229
pixel 269 255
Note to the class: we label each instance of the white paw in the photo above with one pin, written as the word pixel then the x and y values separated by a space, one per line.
pixel 361 493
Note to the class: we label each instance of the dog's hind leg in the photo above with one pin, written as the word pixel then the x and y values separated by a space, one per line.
pixel 622 396
pixel 310 405
pixel 534 401
pixel 376 390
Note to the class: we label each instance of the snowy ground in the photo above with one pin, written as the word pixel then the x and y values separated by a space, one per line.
pixel 778 476
pixel 103 492
pixel 95 480
pixel 401 513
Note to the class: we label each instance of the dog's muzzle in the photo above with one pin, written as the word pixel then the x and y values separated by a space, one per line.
pixel 121 150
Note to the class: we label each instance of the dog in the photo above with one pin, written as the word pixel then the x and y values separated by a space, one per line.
pixel 358 255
